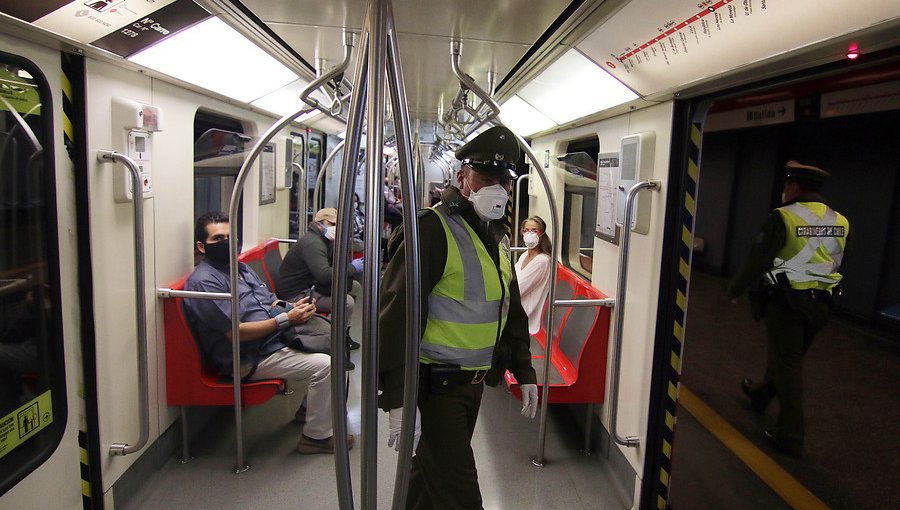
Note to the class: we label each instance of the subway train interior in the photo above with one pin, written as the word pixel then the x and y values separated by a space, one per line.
pixel 654 138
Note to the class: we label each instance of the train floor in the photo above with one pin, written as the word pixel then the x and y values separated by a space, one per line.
pixel 504 445
pixel 720 459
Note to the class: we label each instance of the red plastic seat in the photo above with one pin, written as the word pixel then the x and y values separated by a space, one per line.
pixel 580 340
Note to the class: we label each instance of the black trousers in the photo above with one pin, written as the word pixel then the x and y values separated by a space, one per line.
pixel 790 331
pixel 443 474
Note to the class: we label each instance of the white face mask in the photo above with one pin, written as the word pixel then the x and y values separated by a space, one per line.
pixel 489 202
pixel 531 239
pixel 329 232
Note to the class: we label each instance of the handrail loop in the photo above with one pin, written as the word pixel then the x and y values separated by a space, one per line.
pixel 619 320
pixel 120 449
pixel 467 82
pixel 236 192
pixel 349 42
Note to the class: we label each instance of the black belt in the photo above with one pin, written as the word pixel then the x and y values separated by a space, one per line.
pixel 814 295
pixel 447 376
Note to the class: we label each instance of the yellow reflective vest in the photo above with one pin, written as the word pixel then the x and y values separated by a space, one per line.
pixel 467 308
pixel 812 253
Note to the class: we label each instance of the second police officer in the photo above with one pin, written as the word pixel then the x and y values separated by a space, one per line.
pixel 474 327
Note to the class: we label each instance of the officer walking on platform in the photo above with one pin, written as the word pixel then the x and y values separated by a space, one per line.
pixel 474 327
pixel 792 273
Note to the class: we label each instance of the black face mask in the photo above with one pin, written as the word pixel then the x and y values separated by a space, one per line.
pixel 218 253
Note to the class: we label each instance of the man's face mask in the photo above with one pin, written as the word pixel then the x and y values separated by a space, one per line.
pixel 218 252
pixel 329 231
pixel 489 202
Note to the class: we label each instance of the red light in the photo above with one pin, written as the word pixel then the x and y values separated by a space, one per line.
pixel 853 52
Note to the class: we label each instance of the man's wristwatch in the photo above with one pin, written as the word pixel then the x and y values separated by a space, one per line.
pixel 282 320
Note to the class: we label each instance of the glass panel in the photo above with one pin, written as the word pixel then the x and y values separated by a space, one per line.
pixel 294 213
pixel 32 380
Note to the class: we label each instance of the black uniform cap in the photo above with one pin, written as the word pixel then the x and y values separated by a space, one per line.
pixel 493 153
pixel 796 171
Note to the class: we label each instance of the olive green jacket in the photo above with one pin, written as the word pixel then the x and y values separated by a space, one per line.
pixel 513 348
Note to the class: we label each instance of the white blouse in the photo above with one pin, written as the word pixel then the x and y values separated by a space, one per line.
pixel 534 286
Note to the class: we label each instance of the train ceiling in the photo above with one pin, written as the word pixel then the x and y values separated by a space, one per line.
pixel 557 63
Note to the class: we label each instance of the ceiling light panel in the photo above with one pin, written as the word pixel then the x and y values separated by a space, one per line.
pixel 216 57
pixel 286 100
pixel 523 118
pixel 574 87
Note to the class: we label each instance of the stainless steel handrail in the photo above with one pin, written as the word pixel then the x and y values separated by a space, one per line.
pixel 604 302
pixel 302 195
pixel 619 319
pixel 349 40
pixel 285 241
pixel 342 245
pixel 411 252
pixel 465 81
pixel 321 175
pixel 241 178
pixel 516 198
pixel 377 66
pixel 167 293
pixel 554 234
pixel 137 200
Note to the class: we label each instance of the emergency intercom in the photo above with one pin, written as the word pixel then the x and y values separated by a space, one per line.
pixel 635 164
pixel 133 125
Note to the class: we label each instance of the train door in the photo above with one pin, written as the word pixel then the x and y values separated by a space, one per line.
pixel 297 207
pixel 42 417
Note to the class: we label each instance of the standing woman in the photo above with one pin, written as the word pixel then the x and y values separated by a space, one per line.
pixel 533 270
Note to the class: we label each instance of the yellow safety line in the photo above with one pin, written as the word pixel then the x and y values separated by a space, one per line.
pixel 785 485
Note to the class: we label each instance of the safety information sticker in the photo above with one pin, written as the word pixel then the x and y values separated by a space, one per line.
pixel 26 421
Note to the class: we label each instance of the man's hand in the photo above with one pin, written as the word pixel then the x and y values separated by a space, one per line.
pixel 302 311
pixel 529 400
pixel 395 422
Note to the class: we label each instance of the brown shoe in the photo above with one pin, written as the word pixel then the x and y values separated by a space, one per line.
pixel 310 446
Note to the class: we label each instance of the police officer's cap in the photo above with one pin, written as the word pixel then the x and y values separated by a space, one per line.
pixel 493 153
pixel 796 171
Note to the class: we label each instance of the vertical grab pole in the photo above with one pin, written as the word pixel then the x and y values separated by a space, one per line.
pixel 320 176
pixel 516 197
pixel 371 279
pixel 339 274
pixel 619 319
pixel 236 193
pixel 140 302
pixel 411 252
pixel 302 192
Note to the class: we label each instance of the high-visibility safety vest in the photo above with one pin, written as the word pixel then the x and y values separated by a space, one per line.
pixel 467 308
pixel 812 253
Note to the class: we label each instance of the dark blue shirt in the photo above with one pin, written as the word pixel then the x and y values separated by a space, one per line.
pixel 211 319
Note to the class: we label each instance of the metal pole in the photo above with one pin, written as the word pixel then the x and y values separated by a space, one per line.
pixel 302 192
pixel 140 296
pixel 339 275
pixel 619 312
pixel 241 178
pixel 371 281
pixel 411 252
pixel 321 175
pixel 465 81
pixel 516 197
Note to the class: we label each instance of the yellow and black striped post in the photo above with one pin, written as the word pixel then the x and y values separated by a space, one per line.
pixel 673 369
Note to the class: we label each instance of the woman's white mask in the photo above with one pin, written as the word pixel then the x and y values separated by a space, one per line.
pixel 490 202
pixel 531 239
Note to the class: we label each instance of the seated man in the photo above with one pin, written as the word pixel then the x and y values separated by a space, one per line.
pixel 307 267
pixel 263 353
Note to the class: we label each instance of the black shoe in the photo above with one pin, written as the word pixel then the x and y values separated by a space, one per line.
pixel 352 344
pixel 758 404
pixel 349 365
pixel 791 450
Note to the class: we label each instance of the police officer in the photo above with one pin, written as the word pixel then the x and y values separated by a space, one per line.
pixel 797 256
pixel 474 327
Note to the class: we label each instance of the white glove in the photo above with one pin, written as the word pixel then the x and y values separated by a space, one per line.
pixel 529 400
pixel 395 421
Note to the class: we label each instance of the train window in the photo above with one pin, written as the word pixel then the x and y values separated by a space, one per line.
pixel 579 164
pixel 219 151
pixel 32 374
pixel 314 151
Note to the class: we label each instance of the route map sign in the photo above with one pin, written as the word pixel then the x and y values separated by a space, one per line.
pixel 654 46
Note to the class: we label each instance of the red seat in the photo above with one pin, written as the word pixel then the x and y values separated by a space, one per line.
pixel 578 371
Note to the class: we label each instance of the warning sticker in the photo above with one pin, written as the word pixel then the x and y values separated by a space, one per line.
pixel 26 421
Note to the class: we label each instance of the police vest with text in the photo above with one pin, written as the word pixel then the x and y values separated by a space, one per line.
pixel 467 308
pixel 812 253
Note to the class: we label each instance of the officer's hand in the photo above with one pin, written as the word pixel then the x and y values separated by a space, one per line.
pixel 358 264
pixel 529 400
pixel 395 422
